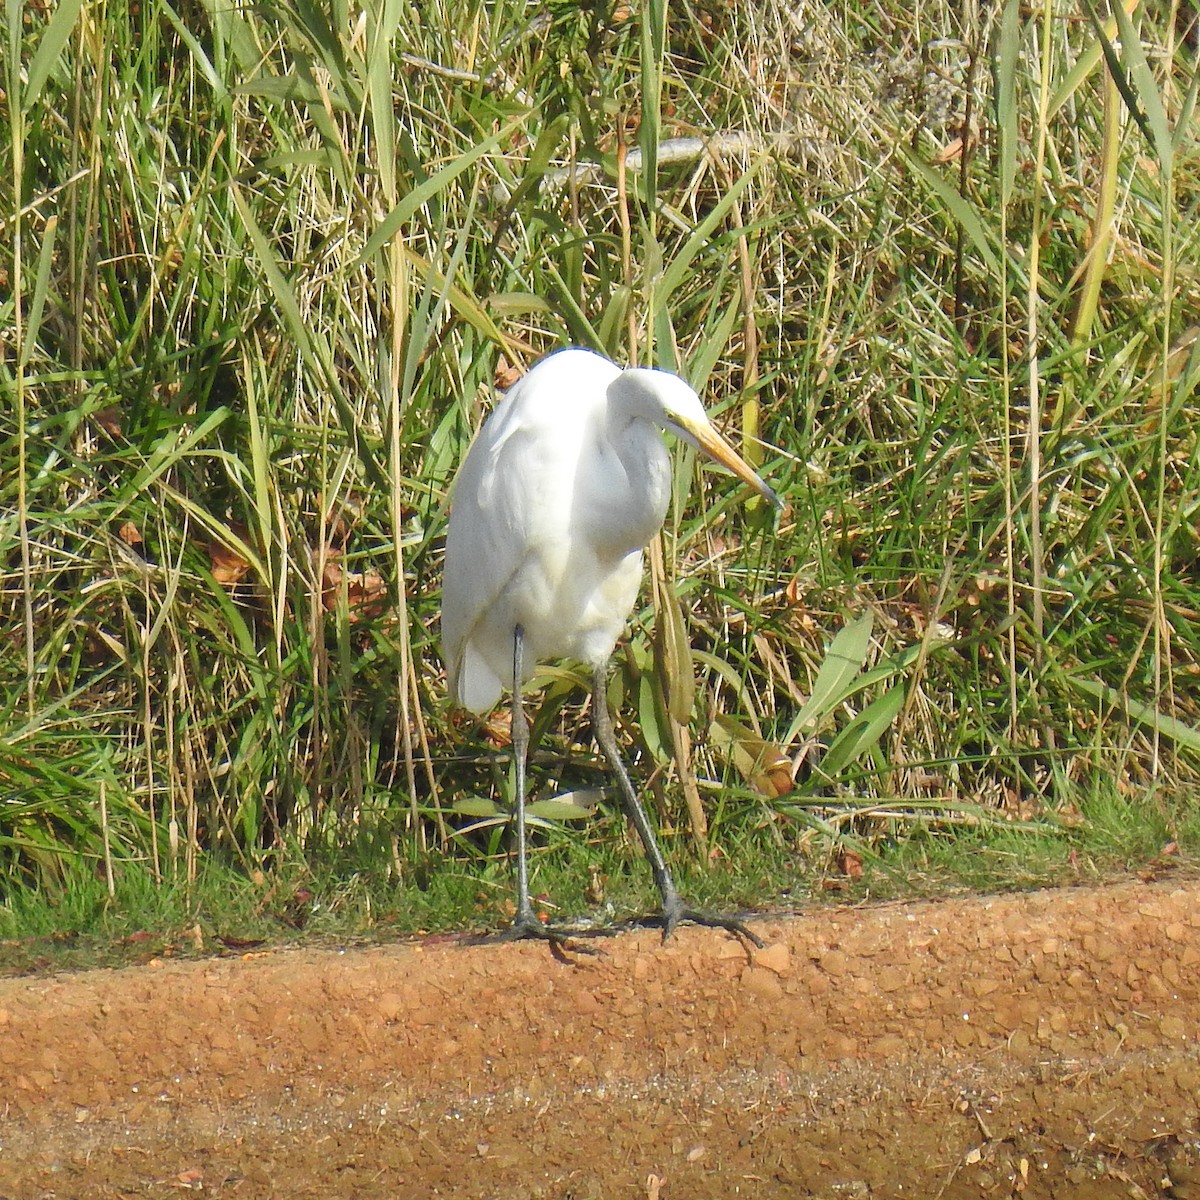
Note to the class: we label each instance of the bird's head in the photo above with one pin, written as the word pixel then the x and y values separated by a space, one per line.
pixel 671 404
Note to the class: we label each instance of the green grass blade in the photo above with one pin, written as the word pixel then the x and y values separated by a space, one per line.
pixel 861 733
pixel 383 21
pixel 37 303
pixel 1102 219
pixel 1144 714
pixel 701 237
pixel 957 207
pixel 49 50
pixel 199 55
pixel 1008 116
pixel 437 183
pixel 843 661
pixel 653 50
pixel 170 450
pixel 1148 108
pixel 1085 63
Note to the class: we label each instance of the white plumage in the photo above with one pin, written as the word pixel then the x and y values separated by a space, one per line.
pixel 562 488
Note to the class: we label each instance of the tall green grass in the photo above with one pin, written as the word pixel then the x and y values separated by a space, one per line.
pixel 261 268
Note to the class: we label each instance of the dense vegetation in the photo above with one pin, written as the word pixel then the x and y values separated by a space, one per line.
pixel 262 268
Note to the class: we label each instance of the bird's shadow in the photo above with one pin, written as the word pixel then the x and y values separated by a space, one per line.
pixel 565 941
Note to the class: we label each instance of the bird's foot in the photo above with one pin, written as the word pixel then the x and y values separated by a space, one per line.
pixel 675 912
pixel 527 926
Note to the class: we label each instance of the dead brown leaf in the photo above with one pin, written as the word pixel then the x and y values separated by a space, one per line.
pixel 109 419
pixel 229 566
pixel 850 863
pixel 130 534
pixel 366 592
pixel 497 728
pixel 506 374
pixel 950 151
pixel 776 779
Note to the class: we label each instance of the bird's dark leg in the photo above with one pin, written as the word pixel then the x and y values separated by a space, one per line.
pixel 526 923
pixel 674 911
pixel 520 744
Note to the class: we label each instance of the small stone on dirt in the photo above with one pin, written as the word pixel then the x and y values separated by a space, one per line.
pixel 775 957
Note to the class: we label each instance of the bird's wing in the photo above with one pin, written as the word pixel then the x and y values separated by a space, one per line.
pixel 513 507
pixel 496 498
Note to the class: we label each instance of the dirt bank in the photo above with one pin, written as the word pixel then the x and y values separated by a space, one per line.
pixel 1042 1045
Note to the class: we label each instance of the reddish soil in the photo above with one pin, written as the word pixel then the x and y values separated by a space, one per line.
pixel 1041 1045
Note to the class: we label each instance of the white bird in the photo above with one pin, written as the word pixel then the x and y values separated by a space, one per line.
pixel 563 487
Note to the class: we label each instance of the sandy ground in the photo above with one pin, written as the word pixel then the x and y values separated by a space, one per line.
pixel 1043 1045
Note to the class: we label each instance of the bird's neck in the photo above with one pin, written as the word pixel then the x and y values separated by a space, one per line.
pixel 632 491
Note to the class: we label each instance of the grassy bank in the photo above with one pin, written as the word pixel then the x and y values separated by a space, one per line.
pixel 262 271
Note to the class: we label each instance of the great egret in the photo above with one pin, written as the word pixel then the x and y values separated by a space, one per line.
pixel 562 488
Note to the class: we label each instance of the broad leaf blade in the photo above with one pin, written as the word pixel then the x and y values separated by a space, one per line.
pixel 843 661
pixel 861 734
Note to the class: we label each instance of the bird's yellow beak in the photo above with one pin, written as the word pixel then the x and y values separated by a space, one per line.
pixel 720 451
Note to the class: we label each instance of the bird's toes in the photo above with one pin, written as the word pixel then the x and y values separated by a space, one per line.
pixel 679 914
pixel 531 929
